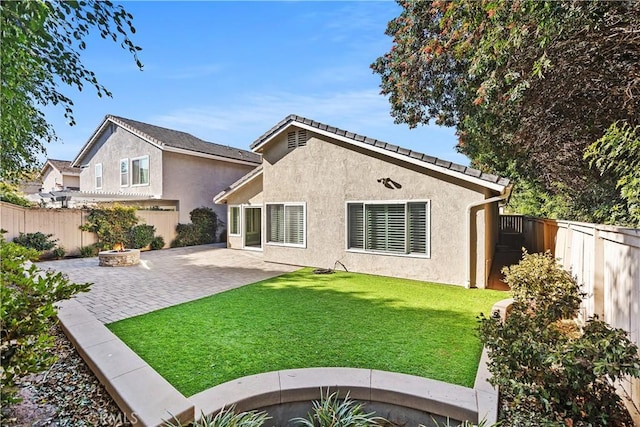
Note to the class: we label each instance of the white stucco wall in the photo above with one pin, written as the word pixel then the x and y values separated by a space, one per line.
pixel 51 180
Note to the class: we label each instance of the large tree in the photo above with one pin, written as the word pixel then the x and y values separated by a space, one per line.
pixel 41 42
pixel 528 85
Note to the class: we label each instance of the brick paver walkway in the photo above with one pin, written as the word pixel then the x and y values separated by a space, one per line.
pixel 164 278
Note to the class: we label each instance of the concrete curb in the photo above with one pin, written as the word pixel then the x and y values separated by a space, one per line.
pixel 142 394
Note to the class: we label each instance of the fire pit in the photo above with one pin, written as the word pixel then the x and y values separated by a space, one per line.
pixel 119 257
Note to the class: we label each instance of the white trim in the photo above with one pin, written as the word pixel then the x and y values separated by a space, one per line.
pixel 95 176
pixel 304 220
pixel 243 236
pixel 404 202
pixel 223 195
pixel 133 159
pixel 89 143
pixel 128 172
pixel 158 144
pixel 239 233
pixel 408 159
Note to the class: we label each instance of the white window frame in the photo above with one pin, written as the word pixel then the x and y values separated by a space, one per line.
pixel 239 207
pixel 304 224
pixel 134 159
pixel 128 172
pixel 408 254
pixel 98 174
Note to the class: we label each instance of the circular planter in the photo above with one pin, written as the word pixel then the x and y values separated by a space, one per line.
pixel 125 258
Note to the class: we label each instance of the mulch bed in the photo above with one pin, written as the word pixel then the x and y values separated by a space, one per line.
pixel 67 394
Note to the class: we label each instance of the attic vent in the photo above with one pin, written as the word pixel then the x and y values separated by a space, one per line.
pixel 297 139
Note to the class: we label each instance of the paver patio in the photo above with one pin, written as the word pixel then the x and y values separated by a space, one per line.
pixel 164 278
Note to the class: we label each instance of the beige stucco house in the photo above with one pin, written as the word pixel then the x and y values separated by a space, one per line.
pixel 150 166
pixel 59 175
pixel 323 195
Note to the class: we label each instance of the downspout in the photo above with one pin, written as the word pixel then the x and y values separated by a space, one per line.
pixel 504 196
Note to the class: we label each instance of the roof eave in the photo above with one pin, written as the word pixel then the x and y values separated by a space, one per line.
pixel 208 156
pixel 221 197
pixel 495 186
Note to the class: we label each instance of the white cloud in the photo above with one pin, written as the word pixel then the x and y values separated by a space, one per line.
pixel 241 121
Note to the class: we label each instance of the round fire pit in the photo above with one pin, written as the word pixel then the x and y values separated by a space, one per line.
pixel 123 258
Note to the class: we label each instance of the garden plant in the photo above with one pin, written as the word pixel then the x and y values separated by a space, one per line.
pixel 203 228
pixel 27 313
pixel 551 369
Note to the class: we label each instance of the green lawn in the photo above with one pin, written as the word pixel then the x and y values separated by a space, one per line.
pixel 304 320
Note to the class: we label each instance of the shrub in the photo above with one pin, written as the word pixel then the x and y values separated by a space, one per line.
pixel 141 236
pixel 187 235
pixel 227 417
pixel 157 243
pixel 112 225
pixel 550 370
pixel 39 241
pixel 202 230
pixel 88 251
pixel 331 411
pixel 59 252
pixel 539 282
pixel 26 314
pixel 9 193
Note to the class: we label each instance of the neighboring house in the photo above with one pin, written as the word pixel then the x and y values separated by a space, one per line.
pixel 59 175
pixel 324 195
pixel 151 166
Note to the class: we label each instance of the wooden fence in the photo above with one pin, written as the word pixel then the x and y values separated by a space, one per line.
pixel 65 224
pixel 606 262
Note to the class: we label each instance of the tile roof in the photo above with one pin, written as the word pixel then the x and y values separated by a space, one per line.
pixel 415 155
pixel 185 141
pixel 64 166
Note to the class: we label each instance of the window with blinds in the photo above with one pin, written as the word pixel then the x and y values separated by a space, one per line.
pixel 234 220
pixel 397 228
pixel 286 224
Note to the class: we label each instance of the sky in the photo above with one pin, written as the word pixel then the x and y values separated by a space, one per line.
pixel 227 72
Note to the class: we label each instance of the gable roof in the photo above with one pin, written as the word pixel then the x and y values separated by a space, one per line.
pixel 221 197
pixel 172 140
pixel 64 166
pixel 465 173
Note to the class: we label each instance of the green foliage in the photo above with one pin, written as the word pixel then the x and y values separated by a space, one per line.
pixel 39 241
pixel 88 251
pixel 202 229
pixel 26 314
pixel 157 243
pixel 58 252
pixel 9 193
pixel 521 84
pixel 331 411
pixel 618 152
pixel 540 283
pixel 112 224
pixel 227 417
pixel 550 370
pixel 141 236
pixel 41 45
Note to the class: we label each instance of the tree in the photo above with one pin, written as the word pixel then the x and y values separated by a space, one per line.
pixel 527 84
pixel 618 152
pixel 41 44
